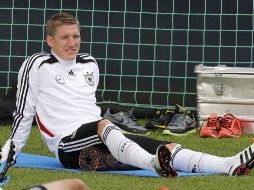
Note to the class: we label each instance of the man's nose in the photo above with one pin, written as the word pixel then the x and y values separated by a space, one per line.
pixel 71 41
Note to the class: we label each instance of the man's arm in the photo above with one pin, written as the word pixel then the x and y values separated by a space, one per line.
pixel 6 158
pixel 26 99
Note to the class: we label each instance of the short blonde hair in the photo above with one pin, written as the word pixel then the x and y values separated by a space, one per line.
pixel 60 19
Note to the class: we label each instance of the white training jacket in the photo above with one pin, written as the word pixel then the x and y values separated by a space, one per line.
pixel 60 94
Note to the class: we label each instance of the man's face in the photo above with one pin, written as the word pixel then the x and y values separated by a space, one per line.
pixel 66 42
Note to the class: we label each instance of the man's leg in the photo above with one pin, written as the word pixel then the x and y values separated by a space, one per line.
pixel 71 145
pixel 191 161
pixel 181 159
pixel 99 157
pixel 129 152
pixel 87 136
pixel 124 149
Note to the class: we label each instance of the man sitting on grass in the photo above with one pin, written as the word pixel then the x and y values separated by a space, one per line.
pixel 58 89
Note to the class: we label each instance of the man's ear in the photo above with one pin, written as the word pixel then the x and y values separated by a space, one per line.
pixel 49 40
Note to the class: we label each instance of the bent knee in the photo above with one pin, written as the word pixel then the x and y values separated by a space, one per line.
pixel 171 146
pixel 101 126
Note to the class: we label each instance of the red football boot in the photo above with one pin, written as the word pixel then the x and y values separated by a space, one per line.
pixel 211 127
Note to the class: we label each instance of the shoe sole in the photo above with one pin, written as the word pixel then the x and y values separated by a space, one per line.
pixel 4 165
pixel 209 136
pixel 157 127
pixel 245 168
pixel 169 171
pixel 229 135
pixel 132 133
pixel 167 132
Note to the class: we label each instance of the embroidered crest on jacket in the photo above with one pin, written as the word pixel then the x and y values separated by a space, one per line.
pixel 89 78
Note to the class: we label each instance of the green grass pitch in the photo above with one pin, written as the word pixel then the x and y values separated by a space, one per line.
pixel 25 177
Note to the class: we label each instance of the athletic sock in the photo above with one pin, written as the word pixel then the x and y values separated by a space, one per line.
pixel 191 161
pixel 125 150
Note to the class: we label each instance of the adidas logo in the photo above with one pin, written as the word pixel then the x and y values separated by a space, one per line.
pixel 248 153
pixel 71 73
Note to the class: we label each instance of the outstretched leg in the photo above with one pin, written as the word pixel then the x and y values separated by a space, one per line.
pixel 191 161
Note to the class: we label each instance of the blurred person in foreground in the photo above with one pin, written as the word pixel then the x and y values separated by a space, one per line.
pixel 66 184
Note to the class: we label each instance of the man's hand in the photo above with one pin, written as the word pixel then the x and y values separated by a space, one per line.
pixel 6 158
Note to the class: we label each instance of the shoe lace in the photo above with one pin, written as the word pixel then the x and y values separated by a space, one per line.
pixel 213 122
pixel 228 122
pixel 130 115
pixel 178 119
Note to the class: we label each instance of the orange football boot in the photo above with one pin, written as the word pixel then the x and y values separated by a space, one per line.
pixel 230 126
pixel 211 127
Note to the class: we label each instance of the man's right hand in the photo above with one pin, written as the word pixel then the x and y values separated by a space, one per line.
pixel 6 158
